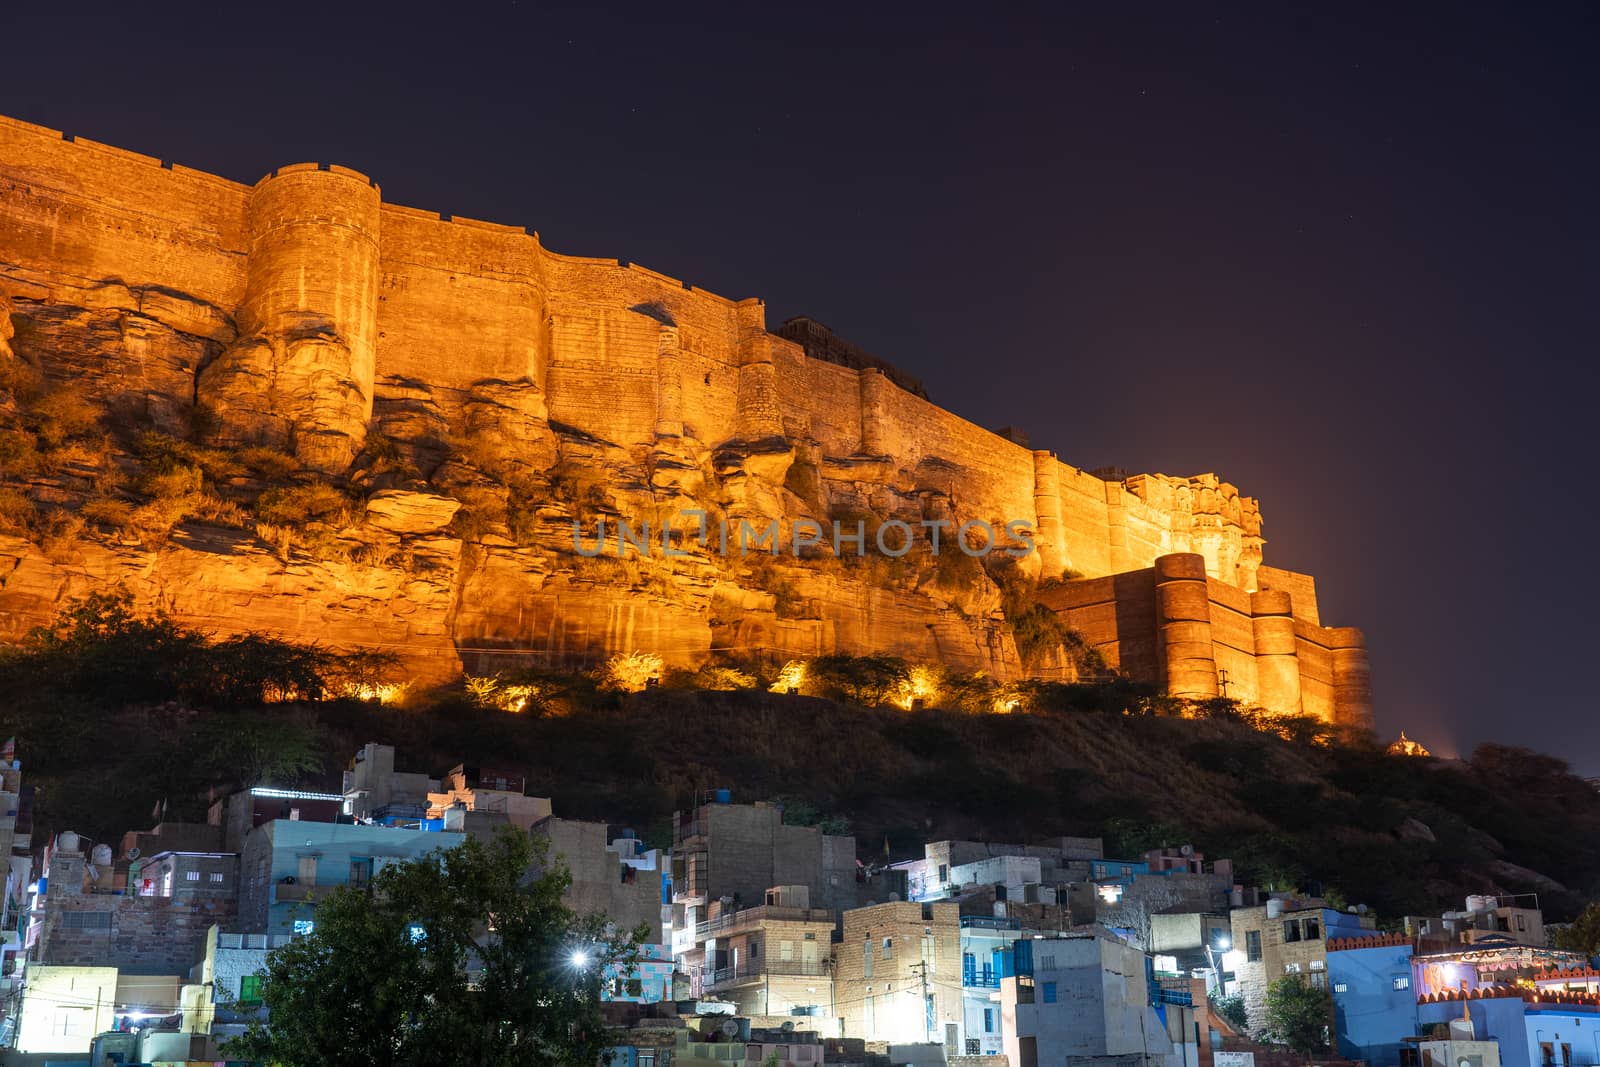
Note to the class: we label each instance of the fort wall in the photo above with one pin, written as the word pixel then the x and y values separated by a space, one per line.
pixel 1174 626
pixel 304 310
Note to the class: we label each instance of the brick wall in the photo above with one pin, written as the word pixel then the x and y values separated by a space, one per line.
pixel 150 934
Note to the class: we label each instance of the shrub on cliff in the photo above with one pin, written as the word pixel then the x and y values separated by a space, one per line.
pixel 870 681
pixel 300 504
pixel 19 454
pixel 17 513
pixel 62 414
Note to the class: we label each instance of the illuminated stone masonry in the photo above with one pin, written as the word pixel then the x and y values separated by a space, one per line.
pixel 305 313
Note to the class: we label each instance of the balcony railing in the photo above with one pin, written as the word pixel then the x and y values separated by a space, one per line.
pixel 989 922
pixel 711 977
pixel 760 914
pixel 282 892
pixel 980 978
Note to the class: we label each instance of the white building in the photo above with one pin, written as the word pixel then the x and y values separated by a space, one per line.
pixel 1089 1001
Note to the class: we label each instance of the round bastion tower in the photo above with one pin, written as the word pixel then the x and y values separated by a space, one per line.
pixel 1352 678
pixel 300 374
pixel 1183 626
pixel 1277 659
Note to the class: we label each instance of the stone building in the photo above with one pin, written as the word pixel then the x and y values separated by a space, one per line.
pixel 897 973
pixel 947 867
pixel 736 852
pixel 619 877
pixel 1281 937
pixel 373 789
pixel 772 961
pixel 500 794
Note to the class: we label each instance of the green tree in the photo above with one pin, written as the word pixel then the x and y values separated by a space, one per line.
pixel 1298 1014
pixel 456 958
pixel 1231 1009
pixel 865 680
pixel 1584 933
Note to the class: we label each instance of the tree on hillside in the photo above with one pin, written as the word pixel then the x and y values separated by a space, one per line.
pixel 1298 1014
pixel 1584 933
pixel 460 957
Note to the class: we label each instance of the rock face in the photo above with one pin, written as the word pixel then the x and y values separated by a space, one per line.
pixel 475 397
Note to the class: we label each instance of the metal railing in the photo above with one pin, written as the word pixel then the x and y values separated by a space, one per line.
pixel 759 914
pixel 989 922
pixel 980 978
pixel 711 977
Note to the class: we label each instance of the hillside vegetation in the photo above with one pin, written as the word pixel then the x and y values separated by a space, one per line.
pixel 117 713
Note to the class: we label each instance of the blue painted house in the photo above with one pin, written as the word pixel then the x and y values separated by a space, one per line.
pixel 1531 1033
pixel 1374 1005
pixel 287 863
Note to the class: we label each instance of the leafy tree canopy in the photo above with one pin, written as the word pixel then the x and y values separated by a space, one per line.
pixel 1298 1014
pixel 459 957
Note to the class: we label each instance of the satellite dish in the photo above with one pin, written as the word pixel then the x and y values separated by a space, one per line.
pixel 133 853
pixel 729 1028
pixel 1187 850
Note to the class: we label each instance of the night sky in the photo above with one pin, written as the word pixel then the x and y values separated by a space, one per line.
pixel 1346 260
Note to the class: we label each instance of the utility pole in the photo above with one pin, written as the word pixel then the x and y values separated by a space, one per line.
pixel 921 967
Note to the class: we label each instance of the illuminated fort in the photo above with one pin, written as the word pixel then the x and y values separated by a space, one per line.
pixel 305 313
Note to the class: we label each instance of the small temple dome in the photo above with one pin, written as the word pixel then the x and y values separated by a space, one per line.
pixel 1407 747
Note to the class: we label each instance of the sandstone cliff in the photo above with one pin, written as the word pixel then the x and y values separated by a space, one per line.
pixel 295 407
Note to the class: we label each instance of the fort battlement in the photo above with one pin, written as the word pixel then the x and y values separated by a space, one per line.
pixel 304 311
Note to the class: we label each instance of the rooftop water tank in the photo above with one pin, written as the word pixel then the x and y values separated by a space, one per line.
pixel 1482 902
pixel 67 842
pixel 1274 908
pixel 100 855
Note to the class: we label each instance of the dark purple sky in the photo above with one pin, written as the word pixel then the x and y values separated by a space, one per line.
pixel 1346 260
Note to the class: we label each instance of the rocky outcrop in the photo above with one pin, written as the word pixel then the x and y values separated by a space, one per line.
pixel 403 513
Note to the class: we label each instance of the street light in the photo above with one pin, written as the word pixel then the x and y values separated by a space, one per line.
pixel 579 958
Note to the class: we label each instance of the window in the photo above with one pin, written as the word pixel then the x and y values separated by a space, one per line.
pixel 988 1020
pixel 1313 929
pixel 1047 962
pixel 1291 968
pixel 866 959
pixel 636 987
pixel 944 873
pixel 1319 980
pixel 1318 965
pixel 86 920
pixel 1522 923
pixel 216 876
pixel 191 876
pixel 1340 987
pixel 360 872
pixel 647 1059
pixel 250 989
pixel 1252 946
pixel 753 946
pixel 927 913
pixel 1291 930
pixel 888 948
pixel 303 927
pixel 1049 992
pixel 1403 982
